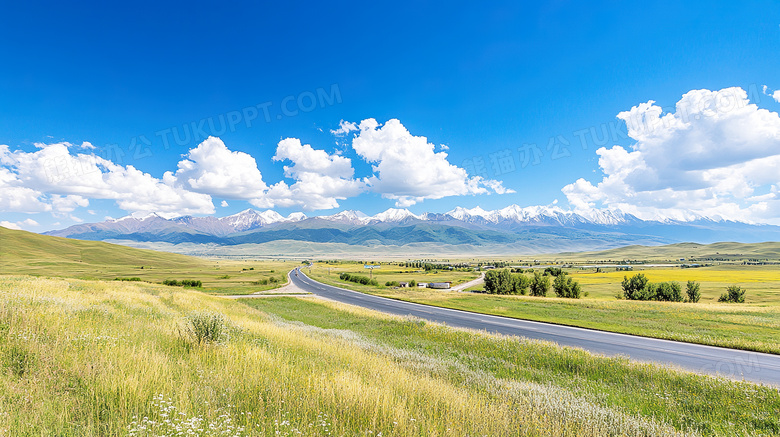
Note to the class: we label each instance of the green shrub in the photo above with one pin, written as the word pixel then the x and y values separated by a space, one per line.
pixel 392 284
pixel 134 279
pixel 203 328
pixel 733 294
pixel 692 289
pixel 553 271
pixel 358 279
pixel 183 283
pixel 18 359
pixel 412 283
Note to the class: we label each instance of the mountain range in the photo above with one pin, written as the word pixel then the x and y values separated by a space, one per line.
pixel 549 227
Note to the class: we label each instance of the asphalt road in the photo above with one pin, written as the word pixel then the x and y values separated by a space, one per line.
pixel 735 364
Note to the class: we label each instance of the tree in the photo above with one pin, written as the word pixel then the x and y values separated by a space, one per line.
pixel 540 285
pixel 692 290
pixel 412 283
pixel 733 294
pixel 668 292
pixel 637 288
pixel 520 284
pixel 565 286
pixel 498 281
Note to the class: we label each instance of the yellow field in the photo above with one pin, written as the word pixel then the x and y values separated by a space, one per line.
pixel 762 282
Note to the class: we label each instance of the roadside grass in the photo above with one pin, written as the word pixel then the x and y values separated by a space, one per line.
pixel 91 358
pixel 752 326
pixel 685 400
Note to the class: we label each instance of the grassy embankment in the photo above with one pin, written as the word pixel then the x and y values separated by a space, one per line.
pixel 89 358
pixel 750 326
pixel 32 254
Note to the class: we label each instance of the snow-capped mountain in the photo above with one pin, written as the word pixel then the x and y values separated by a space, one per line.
pixel 600 228
pixel 550 215
pixel 394 215
pixel 349 216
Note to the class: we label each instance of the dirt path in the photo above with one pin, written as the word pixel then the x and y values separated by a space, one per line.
pixel 469 284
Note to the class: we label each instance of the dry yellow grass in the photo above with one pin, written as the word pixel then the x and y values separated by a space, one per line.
pixel 105 359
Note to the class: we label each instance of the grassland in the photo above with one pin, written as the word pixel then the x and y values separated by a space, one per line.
pixel 92 358
pixel 751 326
pixel 32 254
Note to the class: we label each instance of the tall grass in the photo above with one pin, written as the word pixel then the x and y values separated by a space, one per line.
pixel 107 360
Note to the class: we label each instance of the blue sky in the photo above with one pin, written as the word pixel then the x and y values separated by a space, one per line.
pixel 484 80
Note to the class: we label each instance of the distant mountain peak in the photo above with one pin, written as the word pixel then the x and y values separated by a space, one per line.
pixel 395 215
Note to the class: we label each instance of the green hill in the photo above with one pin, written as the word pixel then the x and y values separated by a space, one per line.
pixel 27 253
pixel 725 251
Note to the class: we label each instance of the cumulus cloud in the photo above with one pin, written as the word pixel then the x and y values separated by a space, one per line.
pixel 224 204
pixel 213 169
pixel 19 225
pixel 321 179
pixel 10 225
pixel 707 157
pixel 408 170
pixel 56 179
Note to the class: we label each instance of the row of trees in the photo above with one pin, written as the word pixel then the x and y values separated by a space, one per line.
pixel 183 283
pixel 505 282
pixel 358 279
pixel 638 287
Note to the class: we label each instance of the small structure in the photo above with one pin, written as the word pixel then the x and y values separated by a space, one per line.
pixel 422 285
pixel 440 285
pixel 403 284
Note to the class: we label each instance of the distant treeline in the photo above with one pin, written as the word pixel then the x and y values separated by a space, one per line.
pixel 183 283
pixel 365 280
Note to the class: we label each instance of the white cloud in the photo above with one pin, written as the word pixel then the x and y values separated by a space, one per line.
pixel 775 94
pixel 321 179
pixel 211 168
pixel 708 157
pixel 224 204
pixel 345 127
pixel 56 180
pixel 408 169
pixel 19 225
pixel 10 225
pixel 68 203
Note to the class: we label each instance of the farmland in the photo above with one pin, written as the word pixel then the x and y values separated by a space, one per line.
pixel 750 326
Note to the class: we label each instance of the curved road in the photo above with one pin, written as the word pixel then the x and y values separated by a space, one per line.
pixel 731 363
